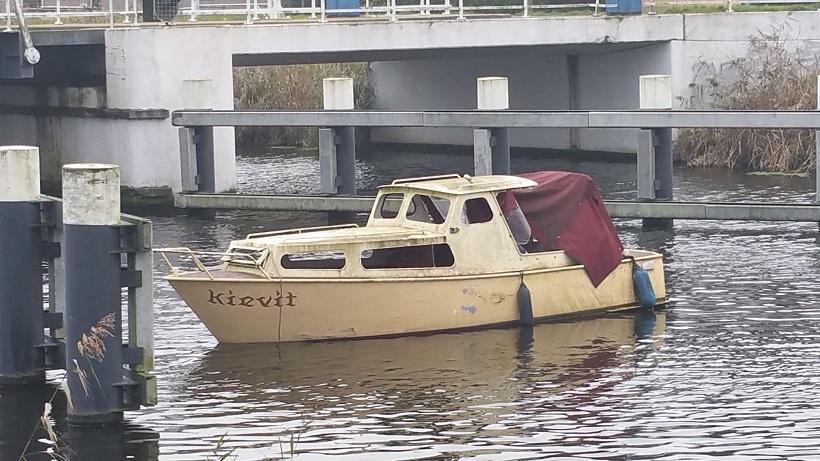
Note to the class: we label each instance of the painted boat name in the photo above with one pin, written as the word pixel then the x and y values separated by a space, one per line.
pixel 281 299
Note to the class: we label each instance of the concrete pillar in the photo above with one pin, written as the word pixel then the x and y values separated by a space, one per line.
pixel 21 282
pixel 93 317
pixel 492 93
pixel 337 147
pixel 817 154
pixel 572 96
pixel 655 93
pixel 338 95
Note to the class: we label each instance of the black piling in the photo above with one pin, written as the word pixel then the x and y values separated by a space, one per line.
pixel 21 274
pixel 93 332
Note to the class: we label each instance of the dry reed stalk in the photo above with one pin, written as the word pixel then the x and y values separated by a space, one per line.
pixel 770 77
pixel 91 343
pixel 292 87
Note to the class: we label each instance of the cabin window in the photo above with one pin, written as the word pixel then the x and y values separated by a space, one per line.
pixel 389 205
pixel 428 208
pixel 408 257
pixel 332 259
pixel 477 210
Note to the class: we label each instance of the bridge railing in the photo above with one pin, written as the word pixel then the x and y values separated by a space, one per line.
pixel 129 12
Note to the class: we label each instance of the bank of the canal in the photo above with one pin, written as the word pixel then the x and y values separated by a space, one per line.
pixel 730 368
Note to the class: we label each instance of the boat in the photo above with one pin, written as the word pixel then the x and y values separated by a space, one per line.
pixel 440 253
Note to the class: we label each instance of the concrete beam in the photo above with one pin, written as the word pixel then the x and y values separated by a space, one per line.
pixel 506 119
pixel 273 202
pixel 617 209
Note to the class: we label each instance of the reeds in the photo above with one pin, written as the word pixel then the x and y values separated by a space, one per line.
pixel 770 77
pixel 291 88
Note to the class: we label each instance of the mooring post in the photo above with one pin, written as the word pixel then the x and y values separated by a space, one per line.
pixel 338 95
pixel 337 146
pixel 655 174
pixel 93 312
pixel 21 275
pixel 491 147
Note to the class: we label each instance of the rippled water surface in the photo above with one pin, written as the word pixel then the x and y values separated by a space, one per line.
pixel 731 368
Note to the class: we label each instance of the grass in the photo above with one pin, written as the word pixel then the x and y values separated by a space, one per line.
pixel 292 88
pixel 770 77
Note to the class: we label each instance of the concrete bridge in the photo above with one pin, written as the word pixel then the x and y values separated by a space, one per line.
pixel 105 94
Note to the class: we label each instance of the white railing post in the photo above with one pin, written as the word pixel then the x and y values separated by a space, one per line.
pixel 367 7
pixel 255 10
pixel 323 6
pixel 447 5
pixel 111 12
pixel 194 11
pixel 8 16
pixel 248 19
pixel 597 8
pixel 526 8
pixel 460 10
pixel 312 9
pixel 730 9
pixel 393 16
pixel 59 19
pixel 127 13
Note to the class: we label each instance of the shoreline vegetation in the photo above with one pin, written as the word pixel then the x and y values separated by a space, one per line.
pixel 292 87
pixel 771 76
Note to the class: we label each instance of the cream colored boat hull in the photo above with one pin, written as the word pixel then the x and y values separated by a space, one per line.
pixel 252 310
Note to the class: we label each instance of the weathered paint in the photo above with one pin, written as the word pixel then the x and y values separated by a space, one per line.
pixel 337 93
pixel 19 173
pixel 91 194
pixel 263 301
pixel 492 93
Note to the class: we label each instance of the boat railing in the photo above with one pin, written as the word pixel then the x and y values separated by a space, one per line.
pixel 252 257
pixel 301 230
pixel 425 178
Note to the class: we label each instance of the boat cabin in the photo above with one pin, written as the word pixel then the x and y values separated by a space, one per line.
pixel 442 225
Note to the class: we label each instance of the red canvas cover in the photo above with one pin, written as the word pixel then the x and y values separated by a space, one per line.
pixel 566 212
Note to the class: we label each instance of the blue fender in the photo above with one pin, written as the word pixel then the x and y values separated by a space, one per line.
pixel 524 301
pixel 642 286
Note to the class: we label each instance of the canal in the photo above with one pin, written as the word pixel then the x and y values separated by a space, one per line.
pixel 729 368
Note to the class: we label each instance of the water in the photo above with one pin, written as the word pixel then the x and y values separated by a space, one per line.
pixel 730 368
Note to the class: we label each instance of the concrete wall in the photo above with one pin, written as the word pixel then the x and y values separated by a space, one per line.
pixel 168 69
pixel 537 81
pixel 609 81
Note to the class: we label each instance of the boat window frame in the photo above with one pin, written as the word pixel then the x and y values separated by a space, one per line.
pixel 406 268
pixel 380 202
pixel 463 209
pixel 281 257
pixel 433 197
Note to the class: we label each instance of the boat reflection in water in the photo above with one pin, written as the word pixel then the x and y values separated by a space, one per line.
pixel 402 395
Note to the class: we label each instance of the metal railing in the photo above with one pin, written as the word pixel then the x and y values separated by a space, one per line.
pixel 129 12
